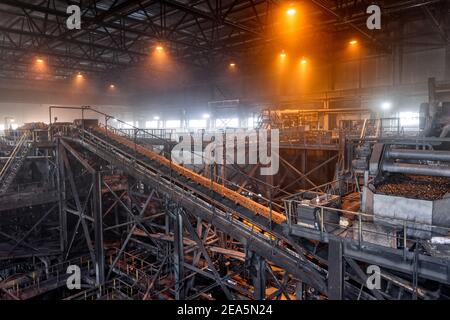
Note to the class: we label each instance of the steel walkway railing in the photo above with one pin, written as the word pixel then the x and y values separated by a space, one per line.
pixel 226 211
pixel 14 163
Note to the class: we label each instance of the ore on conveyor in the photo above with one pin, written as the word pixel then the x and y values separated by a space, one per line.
pixel 416 187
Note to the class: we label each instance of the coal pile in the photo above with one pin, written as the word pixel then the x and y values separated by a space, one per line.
pixel 415 187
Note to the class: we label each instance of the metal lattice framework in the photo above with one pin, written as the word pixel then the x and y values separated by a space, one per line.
pixel 118 34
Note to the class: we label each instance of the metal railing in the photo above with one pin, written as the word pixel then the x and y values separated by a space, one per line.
pixel 308 137
pixel 29 187
pixel 110 121
pixel 234 217
pixel 380 128
pixel 158 134
pixel 34 280
pixel 12 136
pixel 361 225
pixel 134 276
pixel 13 164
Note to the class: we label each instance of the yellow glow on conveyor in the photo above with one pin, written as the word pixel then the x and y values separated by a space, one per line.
pixel 225 192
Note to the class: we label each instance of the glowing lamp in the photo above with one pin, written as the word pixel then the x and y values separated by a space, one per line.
pixel 291 12
pixel 386 105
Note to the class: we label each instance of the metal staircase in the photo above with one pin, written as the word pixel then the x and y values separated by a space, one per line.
pixel 14 163
pixel 268 119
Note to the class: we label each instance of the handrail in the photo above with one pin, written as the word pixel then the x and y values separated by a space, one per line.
pixel 107 117
pixel 42 271
pixel 224 180
pixel 276 239
pixel 362 214
pixel 144 169
pixel 13 154
pixel 230 194
pixel 393 224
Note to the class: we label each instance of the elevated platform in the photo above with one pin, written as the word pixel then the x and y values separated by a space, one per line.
pixel 228 215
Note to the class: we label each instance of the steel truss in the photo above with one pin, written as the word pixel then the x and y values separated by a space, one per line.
pixel 149 233
pixel 253 245
pixel 203 34
pixel 28 209
pixel 183 260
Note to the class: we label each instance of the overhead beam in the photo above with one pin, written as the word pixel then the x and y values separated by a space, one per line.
pixel 205 15
pixel 332 12
pixel 441 30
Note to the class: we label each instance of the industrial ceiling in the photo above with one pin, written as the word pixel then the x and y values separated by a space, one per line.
pixel 118 35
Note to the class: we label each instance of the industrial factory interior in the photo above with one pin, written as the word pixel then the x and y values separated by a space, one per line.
pixel 218 150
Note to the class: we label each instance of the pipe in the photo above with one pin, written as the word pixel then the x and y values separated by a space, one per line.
pixel 422 170
pixel 29 158
pixel 409 154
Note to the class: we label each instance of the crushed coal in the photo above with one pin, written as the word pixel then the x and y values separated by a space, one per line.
pixel 415 187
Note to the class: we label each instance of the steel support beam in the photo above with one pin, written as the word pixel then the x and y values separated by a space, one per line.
pixel 335 271
pixel 98 229
pixel 259 278
pixel 197 239
pixel 178 255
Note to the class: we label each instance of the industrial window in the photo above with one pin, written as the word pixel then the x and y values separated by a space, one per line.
pixel 127 125
pixel 173 124
pixel 151 124
pixel 227 123
pixel 197 123
pixel 409 120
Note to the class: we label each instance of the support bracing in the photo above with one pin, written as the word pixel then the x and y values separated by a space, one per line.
pixel 98 229
pixel 259 277
pixel 178 255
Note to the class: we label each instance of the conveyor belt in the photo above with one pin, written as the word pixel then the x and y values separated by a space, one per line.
pixel 215 206
pixel 225 192
pixel 250 221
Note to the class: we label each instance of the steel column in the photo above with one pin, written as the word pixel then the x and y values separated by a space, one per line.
pixel 335 271
pixel 178 255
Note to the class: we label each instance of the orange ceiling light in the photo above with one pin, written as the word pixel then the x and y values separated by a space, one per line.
pixel 291 12
pixel 232 64
pixel 283 54
pixel 159 48
pixel 353 42
pixel 40 65
pixel 303 61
